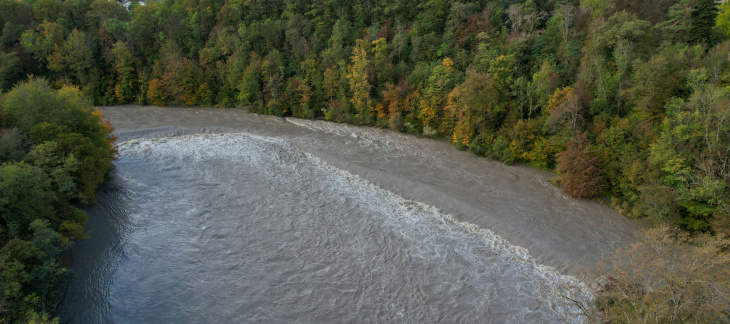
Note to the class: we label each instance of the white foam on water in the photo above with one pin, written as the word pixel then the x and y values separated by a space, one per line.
pixel 499 278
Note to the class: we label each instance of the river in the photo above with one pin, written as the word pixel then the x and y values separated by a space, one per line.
pixel 217 215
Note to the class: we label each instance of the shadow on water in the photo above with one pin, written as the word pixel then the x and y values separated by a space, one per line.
pixel 95 259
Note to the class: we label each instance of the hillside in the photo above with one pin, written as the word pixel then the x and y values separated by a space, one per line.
pixel 627 99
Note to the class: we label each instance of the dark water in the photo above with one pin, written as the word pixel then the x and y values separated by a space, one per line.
pixel 250 225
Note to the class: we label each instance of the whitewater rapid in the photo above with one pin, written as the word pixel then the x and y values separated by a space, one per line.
pixel 233 217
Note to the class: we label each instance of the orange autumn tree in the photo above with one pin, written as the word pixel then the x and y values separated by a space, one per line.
pixel 581 176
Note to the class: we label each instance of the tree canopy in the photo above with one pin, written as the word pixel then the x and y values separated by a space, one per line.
pixel 55 150
pixel 513 80
pixel 626 99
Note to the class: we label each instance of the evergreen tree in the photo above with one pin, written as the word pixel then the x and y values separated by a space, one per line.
pixel 702 20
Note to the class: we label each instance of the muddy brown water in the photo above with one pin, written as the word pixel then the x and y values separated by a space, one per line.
pixel 217 215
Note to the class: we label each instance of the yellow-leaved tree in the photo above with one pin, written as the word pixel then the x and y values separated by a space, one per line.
pixel 359 84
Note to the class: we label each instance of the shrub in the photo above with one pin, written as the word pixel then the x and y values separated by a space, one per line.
pixel 666 277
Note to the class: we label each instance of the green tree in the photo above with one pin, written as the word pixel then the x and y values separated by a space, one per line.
pixel 11 70
pixel 480 95
pixel 27 195
pixel 677 27
pixel 703 18
pixel 502 69
pixel 692 152
pixel 71 149
pixel 63 116
pixel 42 41
pixel 622 25
pixel 723 19
pixel 124 66
pixel 74 57
pixel 251 84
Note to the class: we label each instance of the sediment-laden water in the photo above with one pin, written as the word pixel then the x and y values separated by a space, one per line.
pixel 240 218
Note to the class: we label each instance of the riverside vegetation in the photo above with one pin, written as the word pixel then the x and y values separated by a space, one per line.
pixel 625 99
pixel 55 150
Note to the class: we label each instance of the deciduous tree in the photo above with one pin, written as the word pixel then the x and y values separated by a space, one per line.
pixel 580 175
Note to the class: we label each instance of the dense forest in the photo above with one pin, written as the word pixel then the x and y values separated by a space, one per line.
pixel 628 100
pixel 55 149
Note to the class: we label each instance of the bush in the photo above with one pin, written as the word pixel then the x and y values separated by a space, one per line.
pixel 493 148
pixel 667 277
